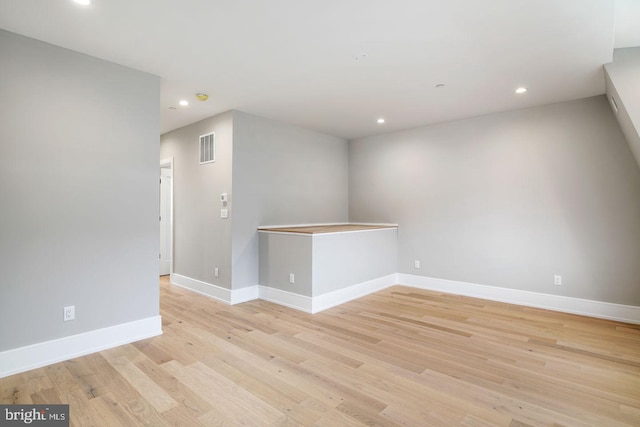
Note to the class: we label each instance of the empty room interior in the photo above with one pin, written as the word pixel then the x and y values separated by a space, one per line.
pixel 321 213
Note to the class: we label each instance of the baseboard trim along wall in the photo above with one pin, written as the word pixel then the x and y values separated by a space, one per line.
pixel 287 299
pixel 48 352
pixel 599 309
pixel 248 293
pixel 322 302
pixel 203 288
pixel 332 299
pixel 235 296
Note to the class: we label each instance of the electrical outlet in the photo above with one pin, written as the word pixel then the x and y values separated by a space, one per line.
pixel 292 278
pixel 416 264
pixel 69 313
pixel 216 272
pixel 557 280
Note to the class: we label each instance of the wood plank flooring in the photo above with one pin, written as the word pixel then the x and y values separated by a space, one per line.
pixel 400 357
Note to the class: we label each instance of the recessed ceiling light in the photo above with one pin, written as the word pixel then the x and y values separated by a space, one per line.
pixel 172 108
pixel 83 2
pixel 202 96
pixel 184 102
pixel 380 121
pixel 521 90
pixel 439 85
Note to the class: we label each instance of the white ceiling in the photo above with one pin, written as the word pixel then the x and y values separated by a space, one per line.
pixel 337 65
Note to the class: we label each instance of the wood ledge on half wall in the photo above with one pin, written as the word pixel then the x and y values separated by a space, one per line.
pixel 325 228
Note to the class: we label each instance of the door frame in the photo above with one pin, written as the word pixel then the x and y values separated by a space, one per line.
pixel 168 164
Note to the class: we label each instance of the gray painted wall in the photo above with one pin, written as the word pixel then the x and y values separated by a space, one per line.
pixel 510 199
pixel 341 260
pixel 282 175
pixel 79 188
pixel 282 254
pixel 202 240
pixel 623 84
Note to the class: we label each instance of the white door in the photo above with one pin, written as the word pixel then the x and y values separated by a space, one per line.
pixel 165 221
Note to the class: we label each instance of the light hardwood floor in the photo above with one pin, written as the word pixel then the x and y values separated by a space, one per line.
pixel 398 357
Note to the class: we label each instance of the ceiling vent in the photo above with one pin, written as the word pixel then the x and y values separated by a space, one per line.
pixel 207 148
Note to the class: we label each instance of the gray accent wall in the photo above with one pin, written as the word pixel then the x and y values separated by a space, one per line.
pixel 282 175
pixel 79 188
pixel 202 240
pixel 510 200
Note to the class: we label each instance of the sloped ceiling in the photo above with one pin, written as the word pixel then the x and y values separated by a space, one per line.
pixel 337 66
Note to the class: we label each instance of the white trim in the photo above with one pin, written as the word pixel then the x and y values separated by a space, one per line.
pixel 599 309
pixel 203 288
pixel 245 294
pixel 164 163
pixel 216 292
pixel 46 353
pixel 287 299
pixel 341 296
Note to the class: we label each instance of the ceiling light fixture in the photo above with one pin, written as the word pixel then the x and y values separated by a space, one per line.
pixel 83 2
pixel 380 121
pixel 439 85
pixel 202 96
pixel 184 102
pixel 521 90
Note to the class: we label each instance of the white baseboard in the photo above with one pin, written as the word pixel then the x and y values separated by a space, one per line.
pixel 46 353
pixel 322 302
pixel 332 299
pixel 599 309
pixel 245 294
pixel 287 299
pixel 219 293
pixel 203 288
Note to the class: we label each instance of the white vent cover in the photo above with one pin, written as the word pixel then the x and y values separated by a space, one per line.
pixel 207 148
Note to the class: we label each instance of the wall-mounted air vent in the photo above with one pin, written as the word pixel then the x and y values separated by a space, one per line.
pixel 207 148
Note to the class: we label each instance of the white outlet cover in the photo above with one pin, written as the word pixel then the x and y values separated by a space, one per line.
pixel 69 313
